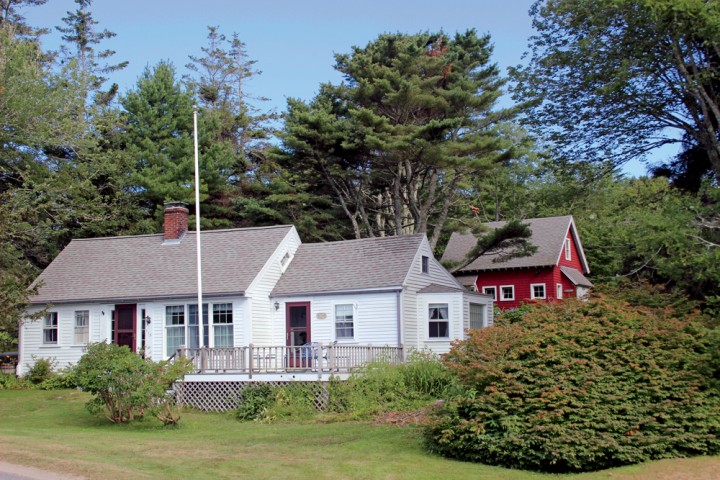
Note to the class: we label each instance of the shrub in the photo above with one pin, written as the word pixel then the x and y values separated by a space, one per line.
pixel 255 399
pixel 578 386
pixel 41 370
pixel 11 382
pixel 126 386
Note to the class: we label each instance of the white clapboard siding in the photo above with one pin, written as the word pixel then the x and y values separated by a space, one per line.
pixel 374 318
pixel 455 313
pixel 65 352
pixel 415 320
pixel 261 329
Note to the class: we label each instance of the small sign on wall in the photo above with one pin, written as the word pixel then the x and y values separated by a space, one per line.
pixel 321 316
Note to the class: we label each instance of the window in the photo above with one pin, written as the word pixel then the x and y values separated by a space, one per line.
pixel 182 326
pixel 537 290
pixel 82 326
pixel 558 289
pixel 223 325
pixel 344 326
pixel 284 260
pixel 507 292
pixel 50 329
pixel 490 291
pixel 477 316
pixel 193 337
pixel 425 264
pixel 439 320
pixel 174 327
pixel 568 249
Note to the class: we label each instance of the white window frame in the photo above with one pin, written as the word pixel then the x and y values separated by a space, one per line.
pixel 167 326
pixel 223 329
pixel 81 333
pixel 425 264
pixel 345 321
pixel 285 261
pixel 494 291
pixel 210 322
pixel 50 323
pixel 558 290
pixel 568 249
pixel 439 307
pixel 502 293
pixel 532 291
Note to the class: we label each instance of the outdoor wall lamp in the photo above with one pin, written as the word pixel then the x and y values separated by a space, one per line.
pixel 277 306
pixel 147 319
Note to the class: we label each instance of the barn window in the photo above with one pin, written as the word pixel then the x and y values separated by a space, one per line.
pixel 50 329
pixel 490 291
pixel 507 292
pixel 537 290
pixel 439 320
pixel 344 325
pixel 558 288
pixel 568 249
pixel 82 326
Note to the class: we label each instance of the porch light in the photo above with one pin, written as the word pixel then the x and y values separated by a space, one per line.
pixel 147 319
pixel 277 306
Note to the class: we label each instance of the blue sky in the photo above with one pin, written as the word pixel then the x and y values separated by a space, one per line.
pixel 293 42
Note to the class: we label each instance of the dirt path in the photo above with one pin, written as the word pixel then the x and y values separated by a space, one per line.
pixel 8 471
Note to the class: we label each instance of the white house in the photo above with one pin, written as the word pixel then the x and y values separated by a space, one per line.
pixel 261 287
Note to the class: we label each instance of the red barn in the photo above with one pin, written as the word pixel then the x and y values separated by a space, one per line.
pixel 557 270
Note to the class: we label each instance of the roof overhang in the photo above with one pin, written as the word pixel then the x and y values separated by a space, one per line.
pixel 338 292
pixel 135 299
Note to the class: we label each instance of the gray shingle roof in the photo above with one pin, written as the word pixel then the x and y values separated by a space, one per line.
pixel 548 235
pixel 576 277
pixel 368 263
pixel 136 267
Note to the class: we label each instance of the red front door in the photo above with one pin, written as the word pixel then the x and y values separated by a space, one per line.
pixel 297 316
pixel 125 325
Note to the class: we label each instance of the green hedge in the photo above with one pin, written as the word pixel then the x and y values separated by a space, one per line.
pixel 579 386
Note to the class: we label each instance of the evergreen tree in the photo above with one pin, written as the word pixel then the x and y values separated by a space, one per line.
pixel 158 138
pixel 233 133
pixel 412 121
pixel 82 39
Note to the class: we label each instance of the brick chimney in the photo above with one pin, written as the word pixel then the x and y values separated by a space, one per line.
pixel 176 220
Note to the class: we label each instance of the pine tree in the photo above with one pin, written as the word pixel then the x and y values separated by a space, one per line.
pixel 412 121
pixel 158 138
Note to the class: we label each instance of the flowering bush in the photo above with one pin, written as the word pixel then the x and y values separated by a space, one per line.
pixel 8 359
pixel 578 386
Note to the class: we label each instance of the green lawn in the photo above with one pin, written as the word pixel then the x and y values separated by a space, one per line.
pixel 52 430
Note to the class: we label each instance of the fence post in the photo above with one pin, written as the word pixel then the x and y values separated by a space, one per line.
pixel 203 359
pixel 331 357
pixel 401 353
pixel 250 360
pixel 319 356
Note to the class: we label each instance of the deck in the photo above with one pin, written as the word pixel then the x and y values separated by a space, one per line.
pixel 315 360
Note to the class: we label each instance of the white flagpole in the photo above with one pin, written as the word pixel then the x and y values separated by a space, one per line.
pixel 201 326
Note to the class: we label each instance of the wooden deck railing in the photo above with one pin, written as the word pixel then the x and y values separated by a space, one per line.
pixel 317 357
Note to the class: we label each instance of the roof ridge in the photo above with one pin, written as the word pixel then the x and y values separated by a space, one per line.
pixel 221 230
pixel 356 240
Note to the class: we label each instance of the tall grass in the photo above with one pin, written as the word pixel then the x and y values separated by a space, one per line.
pixel 379 387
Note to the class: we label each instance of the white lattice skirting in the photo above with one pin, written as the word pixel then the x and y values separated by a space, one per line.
pixel 223 396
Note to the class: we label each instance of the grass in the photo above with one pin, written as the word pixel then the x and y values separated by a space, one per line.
pixel 52 430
